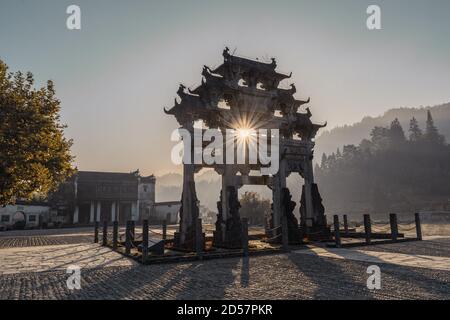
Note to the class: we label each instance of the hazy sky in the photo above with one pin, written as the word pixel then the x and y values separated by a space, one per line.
pixel 116 74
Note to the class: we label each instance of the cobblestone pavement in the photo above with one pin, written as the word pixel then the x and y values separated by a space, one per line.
pixel 47 232
pixel 39 272
pixel 59 257
pixel 44 241
pixel 290 276
pixel 45 237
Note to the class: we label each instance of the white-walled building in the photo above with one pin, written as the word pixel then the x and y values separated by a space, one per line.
pixel 24 215
pixel 168 211
pixel 91 196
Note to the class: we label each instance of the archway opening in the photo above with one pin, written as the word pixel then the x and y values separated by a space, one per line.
pixel 256 203
pixel 208 184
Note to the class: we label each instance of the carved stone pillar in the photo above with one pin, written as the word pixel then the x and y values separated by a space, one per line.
pixel 189 211
pixel 309 180
pixel 312 212
pixel 227 181
pixel 288 206
pixel 279 182
pixel 228 233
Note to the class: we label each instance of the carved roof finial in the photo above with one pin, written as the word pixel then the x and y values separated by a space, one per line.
pixel 293 88
pixel 308 113
pixel 226 52
pixel 181 89
pixel 206 70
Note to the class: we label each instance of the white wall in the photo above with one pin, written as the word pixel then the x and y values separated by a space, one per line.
pixel 28 210
pixel 146 198
pixel 162 211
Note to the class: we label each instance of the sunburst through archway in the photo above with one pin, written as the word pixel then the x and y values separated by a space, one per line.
pixel 244 134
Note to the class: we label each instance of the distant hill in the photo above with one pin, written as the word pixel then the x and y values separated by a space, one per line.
pixel 330 140
pixel 208 183
pixel 170 179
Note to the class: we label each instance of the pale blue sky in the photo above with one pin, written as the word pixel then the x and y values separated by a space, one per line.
pixel 115 75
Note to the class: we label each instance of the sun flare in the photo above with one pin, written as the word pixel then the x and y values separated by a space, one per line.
pixel 244 133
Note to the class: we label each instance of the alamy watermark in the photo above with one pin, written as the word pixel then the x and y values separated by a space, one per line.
pixel 373 21
pixel 74 280
pixel 73 21
pixel 241 146
pixel 374 280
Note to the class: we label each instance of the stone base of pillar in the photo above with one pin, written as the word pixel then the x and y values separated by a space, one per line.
pixel 317 233
pixel 189 243
pixel 191 210
pixel 295 234
pixel 287 208
pixel 316 227
pixel 231 237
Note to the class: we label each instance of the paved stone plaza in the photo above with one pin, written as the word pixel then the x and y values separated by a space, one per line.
pixel 33 266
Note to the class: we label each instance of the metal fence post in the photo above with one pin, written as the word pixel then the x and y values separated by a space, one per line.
pixel 105 233
pixel 132 230
pixel 245 237
pixel 115 234
pixel 337 233
pixel 144 240
pixel 198 238
pixel 345 224
pixel 367 228
pixel 418 226
pixel 128 238
pixel 96 232
pixel 394 226
pixel 164 229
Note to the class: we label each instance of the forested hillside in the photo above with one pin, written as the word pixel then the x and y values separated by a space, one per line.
pixel 393 171
pixel 329 141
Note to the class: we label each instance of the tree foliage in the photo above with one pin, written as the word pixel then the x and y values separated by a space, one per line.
pixel 431 133
pixel 388 172
pixel 415 133
pixel 254 208
pixel 34 155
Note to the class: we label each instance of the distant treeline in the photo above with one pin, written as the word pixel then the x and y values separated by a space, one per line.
pixel 390 172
